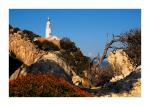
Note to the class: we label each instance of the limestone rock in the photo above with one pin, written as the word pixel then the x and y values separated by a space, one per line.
pixel 24 50
pixel 121 63
pixel 76 80
pixel 36 60
pixel 129 86
pixel 81 82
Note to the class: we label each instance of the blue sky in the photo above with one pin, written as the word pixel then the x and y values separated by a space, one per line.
pixel 86 27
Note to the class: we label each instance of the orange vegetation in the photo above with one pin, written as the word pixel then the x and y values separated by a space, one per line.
pixel 44 85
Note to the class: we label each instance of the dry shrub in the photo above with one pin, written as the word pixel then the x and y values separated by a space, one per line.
pixel 102 75
pixel 133 45
pixel 44 85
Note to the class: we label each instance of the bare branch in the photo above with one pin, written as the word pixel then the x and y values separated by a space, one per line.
pixel 107 46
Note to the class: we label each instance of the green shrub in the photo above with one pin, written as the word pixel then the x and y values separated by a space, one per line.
pixel 47 45
pixel 43 85
pixel 74 56
pixel 77 60
pixel 15 30
pixel 67 44
pixel 30 34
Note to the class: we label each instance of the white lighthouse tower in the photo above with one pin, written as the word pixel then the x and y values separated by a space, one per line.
pixel 48 29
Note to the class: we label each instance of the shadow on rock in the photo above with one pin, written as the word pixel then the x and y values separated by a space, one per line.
pixel 125 85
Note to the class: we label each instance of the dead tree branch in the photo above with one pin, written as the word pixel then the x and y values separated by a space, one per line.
pixel 107 46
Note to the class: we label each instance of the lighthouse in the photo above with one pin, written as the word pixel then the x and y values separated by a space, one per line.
pixel 48 32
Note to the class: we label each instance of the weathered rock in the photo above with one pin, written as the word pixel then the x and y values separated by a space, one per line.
pixel 84 81
pixel 81 82
pixel 129 86
pixel 76 80
pixel 24 50
pixel 36 60
pixel 121 63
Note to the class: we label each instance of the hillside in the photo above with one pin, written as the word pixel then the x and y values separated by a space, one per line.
pixel 45 67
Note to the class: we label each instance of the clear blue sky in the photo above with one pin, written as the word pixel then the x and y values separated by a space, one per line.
pixel 86 27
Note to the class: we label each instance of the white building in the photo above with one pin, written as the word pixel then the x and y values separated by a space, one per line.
pixel 49 31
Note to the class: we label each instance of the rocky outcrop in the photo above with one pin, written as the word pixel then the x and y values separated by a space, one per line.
pixel 24 50
pixel 82 82
pixel 121 63
pixel 36 60
pixel 129 86
pixel 127 78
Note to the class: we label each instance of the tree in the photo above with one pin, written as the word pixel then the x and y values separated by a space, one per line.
pixel 130 42
pixel 133 47
pixel 127 41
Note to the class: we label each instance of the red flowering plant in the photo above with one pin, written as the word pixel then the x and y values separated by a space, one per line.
pixel 44 85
